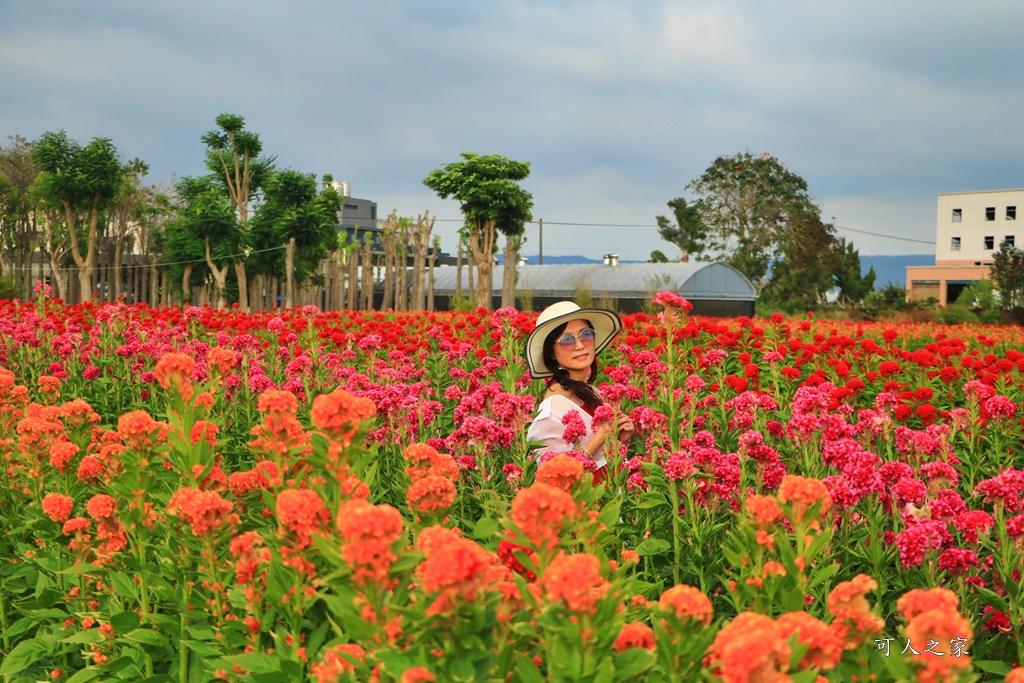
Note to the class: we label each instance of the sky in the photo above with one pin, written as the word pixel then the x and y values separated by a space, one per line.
pixel 879 105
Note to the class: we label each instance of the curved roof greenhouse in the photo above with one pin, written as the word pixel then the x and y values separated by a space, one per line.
pixel 713 287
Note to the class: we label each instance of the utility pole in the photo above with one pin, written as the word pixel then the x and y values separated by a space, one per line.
pixel 540 242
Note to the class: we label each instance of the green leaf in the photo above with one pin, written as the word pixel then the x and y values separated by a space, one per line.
pixel 527 672
pixel 993 667
pixel 146 637
pixel 84 675
pixel 255 663
pixel 653 546
pixel 485 528
pixel 633 661
pixel 653 499
pixel 24 654
pixel 90 636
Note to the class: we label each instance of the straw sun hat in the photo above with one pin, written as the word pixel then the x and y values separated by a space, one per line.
pixel 606 324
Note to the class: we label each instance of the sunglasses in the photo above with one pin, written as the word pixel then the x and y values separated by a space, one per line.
pixel 587 337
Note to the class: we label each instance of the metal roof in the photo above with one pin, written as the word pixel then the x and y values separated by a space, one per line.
pixel 698 280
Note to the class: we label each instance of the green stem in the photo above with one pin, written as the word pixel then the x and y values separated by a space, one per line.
pixel 3 620
pixel 676 551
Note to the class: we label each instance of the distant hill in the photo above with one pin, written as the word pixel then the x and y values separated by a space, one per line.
pixel 888 269
pixel 893 269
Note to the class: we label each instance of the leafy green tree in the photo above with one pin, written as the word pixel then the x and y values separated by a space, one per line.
pixel 127 210
pixel 84 181
pixel 658 256
pixel 205 230
pixel 749 204
pixel 18 228
pixel 688 232
pixel 853 286
pixel 807 259
pixel 294 208
pixel 487 188
pixel 1008 275
pixel 233 155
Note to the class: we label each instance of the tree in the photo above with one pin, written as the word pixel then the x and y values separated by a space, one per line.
pixel 658 256
pixel 688 232
pixel 293 208
pixel 233 156
pixel 749 204
pixel 127 210
pixel 1008 275
pixel 83 180
pixel 487 188
pixel 853 286
pixel 18 219
pixel 806 260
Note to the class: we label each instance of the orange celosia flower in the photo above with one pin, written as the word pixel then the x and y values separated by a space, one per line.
pixel 803 492
pixel 277 401
pixel 1015 676
pixel 431 494
pixel 223 360
pixel 57 506
pixel 174 369
pixel 849 596
pixel 417 674
pixel 204 430
pixel 575 580
pixel 77 412
pixel 101 506
pixel 945 626
pixel 336 662
pixel 61 453
pixel 339 414
pixel 561 471
pixel 749 648
pixel 368 533
pixel 824 648
pixel 205 511
pixel 49 385
pixel 453 565
pixel 918 600
pixel 249 554
pixel 686 602
pixel 764 510
pixel 634 634
pixel 302 512
pixel 540 511
pixel 138 428
pixel 426 461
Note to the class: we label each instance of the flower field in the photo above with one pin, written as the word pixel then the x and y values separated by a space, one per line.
pixel 198 494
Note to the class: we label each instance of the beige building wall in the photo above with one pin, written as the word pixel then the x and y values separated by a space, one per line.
pixel 969 228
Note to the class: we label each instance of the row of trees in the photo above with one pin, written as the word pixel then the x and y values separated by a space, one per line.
pixel 65 204
pixel 755 214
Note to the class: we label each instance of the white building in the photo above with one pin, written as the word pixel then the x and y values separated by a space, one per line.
pixel 969 228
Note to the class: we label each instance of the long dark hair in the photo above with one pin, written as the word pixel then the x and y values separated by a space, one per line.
pixel 583 390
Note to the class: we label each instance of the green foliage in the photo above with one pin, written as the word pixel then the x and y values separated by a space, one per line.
pixel 294 209
pixel 688 232
pixel 487 189
pixel 658 256
pixel 10 288
pixel 204 216
pixel 1008 275
pixel 892 297
pixel 955 314
pixel 749 205
pixel 853 286
pixel 808 260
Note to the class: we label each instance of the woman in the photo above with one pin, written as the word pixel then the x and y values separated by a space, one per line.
pixel 563 350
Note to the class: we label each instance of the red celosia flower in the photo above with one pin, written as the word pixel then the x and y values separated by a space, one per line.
pixel 507 553
pixel 75 525
pixel 540 511
pixel 634 634
pixel 575 580
pixel 57 506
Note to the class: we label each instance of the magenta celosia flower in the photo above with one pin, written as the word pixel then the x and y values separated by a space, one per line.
pixel 917 540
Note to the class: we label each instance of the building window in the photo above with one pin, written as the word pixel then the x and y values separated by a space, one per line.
pixel 1008 240
pixel 990 242
pixel 955 245
pixel 1011 213
pixel 990 213
pixel 958 215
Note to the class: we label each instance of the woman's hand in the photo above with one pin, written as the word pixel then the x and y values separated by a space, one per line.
pixel 626 428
